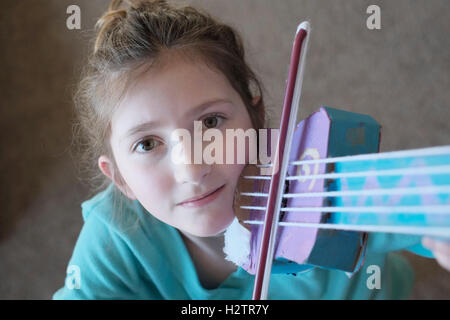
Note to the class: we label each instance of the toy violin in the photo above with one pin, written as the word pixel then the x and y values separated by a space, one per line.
pixel 329 187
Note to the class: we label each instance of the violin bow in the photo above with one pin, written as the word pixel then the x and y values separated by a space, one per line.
pixel 288 123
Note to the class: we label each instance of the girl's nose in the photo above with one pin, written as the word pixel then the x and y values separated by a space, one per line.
pixel 192 173
pixel 184 166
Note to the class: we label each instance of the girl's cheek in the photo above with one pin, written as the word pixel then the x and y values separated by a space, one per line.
pixel 156 179
pixel 164 183
pixel 151 182
pixel 155 193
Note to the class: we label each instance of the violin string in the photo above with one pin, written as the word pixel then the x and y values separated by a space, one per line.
pixel 366 192
pixel 412 210
pixel 437 169
pixel 424 152
pixel 412 230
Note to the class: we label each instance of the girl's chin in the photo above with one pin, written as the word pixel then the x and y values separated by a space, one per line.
pixel 211 228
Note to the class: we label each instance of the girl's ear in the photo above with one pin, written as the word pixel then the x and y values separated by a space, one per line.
pixel 107 168
pixel 256 100
pixel 261 117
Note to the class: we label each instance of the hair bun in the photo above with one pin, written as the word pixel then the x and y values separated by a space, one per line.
pixel 117 11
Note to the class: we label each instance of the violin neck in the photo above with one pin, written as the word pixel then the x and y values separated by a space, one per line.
pixel 401 169
pixel 418 179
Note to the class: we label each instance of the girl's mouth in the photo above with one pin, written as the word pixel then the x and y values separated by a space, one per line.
pixel 203 200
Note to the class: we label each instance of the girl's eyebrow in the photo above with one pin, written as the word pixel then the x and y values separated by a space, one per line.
pixel 141 127
pixel 205 105
pixel 154 124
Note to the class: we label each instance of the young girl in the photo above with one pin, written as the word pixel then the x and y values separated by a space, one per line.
pixel 156 231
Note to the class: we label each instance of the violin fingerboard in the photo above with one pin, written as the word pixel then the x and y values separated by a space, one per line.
pixel 434 185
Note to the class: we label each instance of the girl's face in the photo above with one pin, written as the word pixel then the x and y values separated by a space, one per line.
pixel 165 99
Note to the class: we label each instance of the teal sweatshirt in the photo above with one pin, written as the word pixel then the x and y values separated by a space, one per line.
pixel 140 257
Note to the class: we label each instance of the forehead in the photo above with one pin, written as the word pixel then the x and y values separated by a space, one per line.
pixel 169 90
pixel 178 78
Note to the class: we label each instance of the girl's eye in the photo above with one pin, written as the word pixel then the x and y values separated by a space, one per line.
pixel 147 145
pixel 212 121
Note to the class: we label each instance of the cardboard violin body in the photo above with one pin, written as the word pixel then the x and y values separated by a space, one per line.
pixel 326 133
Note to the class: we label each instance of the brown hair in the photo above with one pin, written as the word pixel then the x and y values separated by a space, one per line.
pixel 139 33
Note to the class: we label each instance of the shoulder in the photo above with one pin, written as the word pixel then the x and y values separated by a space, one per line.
pixel 114 250
pixel 123 217
pixel 111 217
pixel 110 207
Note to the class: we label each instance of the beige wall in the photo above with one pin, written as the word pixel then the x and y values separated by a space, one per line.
pixel 399 75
